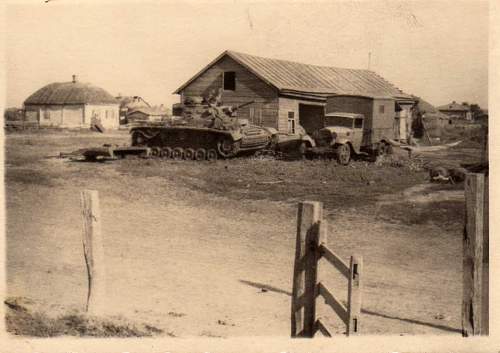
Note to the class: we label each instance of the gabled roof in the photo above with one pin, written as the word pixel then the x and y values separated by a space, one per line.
pixel 292 77
pixel 454 106
pixel 70 93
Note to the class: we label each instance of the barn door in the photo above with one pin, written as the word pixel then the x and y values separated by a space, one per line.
pixel 311 117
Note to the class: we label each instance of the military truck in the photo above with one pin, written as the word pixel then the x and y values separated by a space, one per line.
pixel 355 124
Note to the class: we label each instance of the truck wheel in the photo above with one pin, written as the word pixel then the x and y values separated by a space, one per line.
pixel 381 149
pixel 343 154
pixel 302 149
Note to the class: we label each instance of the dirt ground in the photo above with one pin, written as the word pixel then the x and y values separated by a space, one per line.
pixel 206 249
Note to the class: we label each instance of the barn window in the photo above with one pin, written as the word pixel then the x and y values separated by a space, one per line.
pixel 291 122
pixel 229 78
pixel 46 114
pixel 381 109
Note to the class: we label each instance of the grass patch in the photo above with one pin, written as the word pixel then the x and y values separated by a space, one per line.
pixel 21 321
pixel 444 213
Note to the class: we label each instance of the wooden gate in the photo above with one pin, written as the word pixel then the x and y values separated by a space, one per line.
pixel 310 249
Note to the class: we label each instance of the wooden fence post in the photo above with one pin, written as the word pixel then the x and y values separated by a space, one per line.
pixel 473 255
pixel 93 251
pixel 486 262
pixel 309 217
pixel 354 295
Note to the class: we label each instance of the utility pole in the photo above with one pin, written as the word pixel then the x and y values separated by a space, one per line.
pixel 369 59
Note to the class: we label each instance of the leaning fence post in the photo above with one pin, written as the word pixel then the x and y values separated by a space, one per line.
pixel 93 251
pixel 354 295
pixel 309 215
pixel 473 255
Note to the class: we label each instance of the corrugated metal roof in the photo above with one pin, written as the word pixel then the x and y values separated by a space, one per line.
pixel 70 93
pixel 311 79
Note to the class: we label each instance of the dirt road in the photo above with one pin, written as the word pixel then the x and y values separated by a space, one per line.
pixel 196 263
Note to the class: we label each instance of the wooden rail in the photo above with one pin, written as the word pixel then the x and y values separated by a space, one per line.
pixel 310 248
pixel 334 259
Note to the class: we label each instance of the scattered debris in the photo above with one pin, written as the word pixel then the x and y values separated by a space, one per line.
pixel 174 314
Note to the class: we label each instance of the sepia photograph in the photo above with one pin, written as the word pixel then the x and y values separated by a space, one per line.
pixel 182 169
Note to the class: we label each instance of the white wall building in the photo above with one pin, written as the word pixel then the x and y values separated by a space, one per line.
pixel 72 104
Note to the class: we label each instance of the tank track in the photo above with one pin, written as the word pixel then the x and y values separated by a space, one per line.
pixel 192 144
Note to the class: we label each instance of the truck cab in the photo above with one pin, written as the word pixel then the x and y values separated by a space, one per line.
pixel 342 134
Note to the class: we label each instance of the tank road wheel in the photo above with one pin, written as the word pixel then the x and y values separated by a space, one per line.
pixel 343 154
pixel 212 155
pixel 200 154
pixel 178 153
pixel 227 148
pixel 155 151
pixel 166 152
pixel 189 154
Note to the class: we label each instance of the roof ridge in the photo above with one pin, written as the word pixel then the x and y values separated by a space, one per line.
pixel 292 62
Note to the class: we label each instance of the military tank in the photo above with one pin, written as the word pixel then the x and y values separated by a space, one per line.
pixel 201 130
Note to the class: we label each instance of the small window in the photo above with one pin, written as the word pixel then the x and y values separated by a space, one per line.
pixel 229 81
pixel 291 122
pixel 46 114
pixel 381 109
pixel 358 123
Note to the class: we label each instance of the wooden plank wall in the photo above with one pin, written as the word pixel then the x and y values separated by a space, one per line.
pixel 248 87
pixel 358 105
pixel 383 124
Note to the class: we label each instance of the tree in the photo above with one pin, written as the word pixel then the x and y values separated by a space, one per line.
pixel 475 110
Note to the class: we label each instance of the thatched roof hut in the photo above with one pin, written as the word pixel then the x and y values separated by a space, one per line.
pixel 72 104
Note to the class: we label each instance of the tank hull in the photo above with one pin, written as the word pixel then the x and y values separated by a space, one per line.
pixel 225 143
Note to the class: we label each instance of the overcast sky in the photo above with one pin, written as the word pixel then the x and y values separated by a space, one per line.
pixel 436 50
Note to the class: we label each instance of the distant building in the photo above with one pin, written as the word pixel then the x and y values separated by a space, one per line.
pixel 128 103
pixel 285 94
pixel 147 114
pixel 456 111
pixel 72 104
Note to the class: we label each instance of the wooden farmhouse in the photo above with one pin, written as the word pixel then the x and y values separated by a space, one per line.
pixel 72 104
pixel 287 93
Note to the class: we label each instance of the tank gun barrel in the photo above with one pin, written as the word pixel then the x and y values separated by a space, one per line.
pixel 243 105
